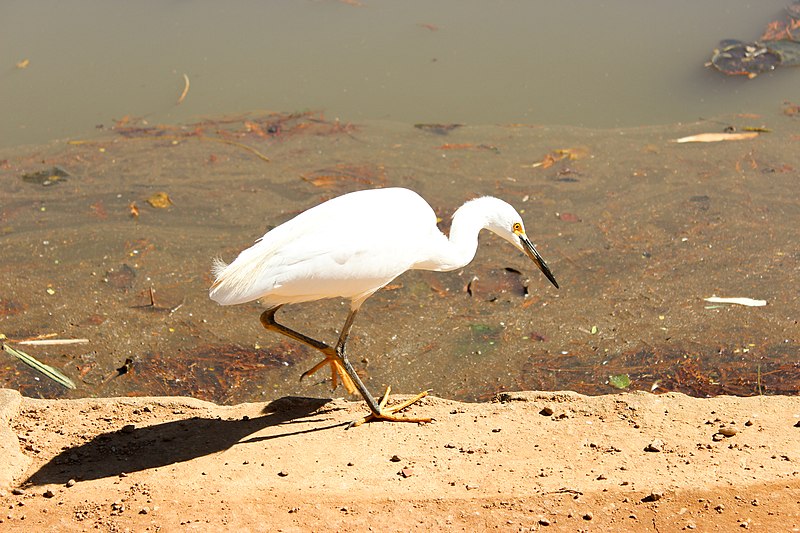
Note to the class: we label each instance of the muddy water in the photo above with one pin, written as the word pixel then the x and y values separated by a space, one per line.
pixel 637 230
pixel 614 63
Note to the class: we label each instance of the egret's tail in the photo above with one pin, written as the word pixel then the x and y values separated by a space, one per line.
pixel 217 267
pixel 232 282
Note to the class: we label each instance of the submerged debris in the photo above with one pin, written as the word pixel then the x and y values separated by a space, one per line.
pixel 779 45
pixel 47 177
pixel 437 129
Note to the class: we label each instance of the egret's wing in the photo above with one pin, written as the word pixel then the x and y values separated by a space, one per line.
pixel 348 246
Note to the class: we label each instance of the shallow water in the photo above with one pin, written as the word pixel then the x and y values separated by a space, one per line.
pixel 605 64
pixel 637 229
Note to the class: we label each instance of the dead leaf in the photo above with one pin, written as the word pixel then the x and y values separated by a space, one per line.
pixel 451 146
pixel 99 210
pixel 160 200
pixel 252 127
pixel 791 110
pixel 547 162
pixel 717 137
pixel 569 217
pixel 573 154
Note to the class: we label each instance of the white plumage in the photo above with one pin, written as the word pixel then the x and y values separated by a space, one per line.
pixel 351 246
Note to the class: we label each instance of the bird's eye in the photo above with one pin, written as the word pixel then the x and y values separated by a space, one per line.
pixel 517 227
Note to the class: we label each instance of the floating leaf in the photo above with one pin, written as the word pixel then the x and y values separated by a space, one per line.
pixel 619 381
pixel 717 137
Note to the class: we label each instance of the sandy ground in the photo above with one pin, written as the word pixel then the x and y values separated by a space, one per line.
pixel 527 461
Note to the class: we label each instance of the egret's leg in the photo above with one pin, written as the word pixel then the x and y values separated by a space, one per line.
pixel 337 358
pixel 379 409
pixel 331 358
pixel 386 413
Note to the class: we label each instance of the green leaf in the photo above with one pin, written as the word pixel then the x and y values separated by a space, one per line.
pixel 52 373
pixel 619 381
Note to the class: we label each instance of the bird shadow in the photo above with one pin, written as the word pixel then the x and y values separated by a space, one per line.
pixel 132 449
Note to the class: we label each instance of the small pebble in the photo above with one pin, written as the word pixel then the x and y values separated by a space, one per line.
pixel 71 483
pixel 588 516
pixel 653 496
pixel 655 446
pixel 449 445
pixel 283 473
pixel 407 472
pixel 395 459
pixel 48 493
pixel 544 522
pixel 546 411
pixel 728 431
pixel 716 437
pixel 144 510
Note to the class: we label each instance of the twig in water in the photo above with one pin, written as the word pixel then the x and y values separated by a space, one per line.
pixel 53 342
pixel 185 90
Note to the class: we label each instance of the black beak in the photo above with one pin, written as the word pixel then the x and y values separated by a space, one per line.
pixel 531 252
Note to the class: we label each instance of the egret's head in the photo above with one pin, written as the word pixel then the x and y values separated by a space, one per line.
pixel 507 223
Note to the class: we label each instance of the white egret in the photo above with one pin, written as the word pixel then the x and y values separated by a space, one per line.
pixel 351 246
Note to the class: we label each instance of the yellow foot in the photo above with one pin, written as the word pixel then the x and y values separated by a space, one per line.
pixel 337 372
pixel 387 413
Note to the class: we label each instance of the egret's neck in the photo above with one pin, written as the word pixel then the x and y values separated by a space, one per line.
pixel 459 249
